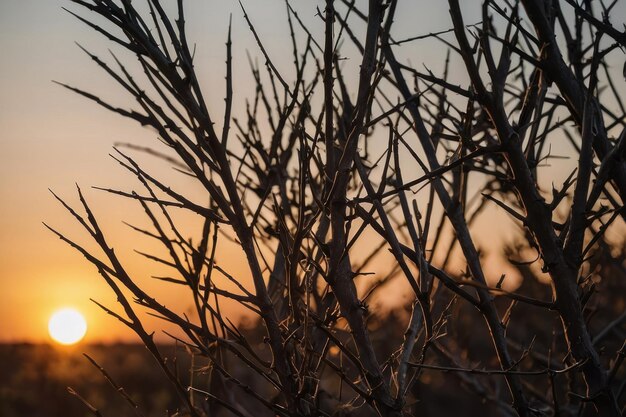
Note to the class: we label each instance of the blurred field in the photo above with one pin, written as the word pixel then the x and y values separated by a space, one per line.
pixel 34 380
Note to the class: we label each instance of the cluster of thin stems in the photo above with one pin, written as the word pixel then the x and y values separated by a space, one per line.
pixel 322 161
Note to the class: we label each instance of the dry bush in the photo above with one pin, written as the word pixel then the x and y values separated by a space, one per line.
pixel 334 171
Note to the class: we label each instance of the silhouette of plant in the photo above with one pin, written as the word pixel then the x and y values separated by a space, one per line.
pixel 303 183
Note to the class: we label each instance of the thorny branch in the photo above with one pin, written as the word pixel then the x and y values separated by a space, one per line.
pixel 324 170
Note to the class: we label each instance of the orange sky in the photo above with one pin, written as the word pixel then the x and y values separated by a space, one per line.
pixel 51 138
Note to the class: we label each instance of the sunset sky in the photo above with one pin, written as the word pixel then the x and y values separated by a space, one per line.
pixel 51 138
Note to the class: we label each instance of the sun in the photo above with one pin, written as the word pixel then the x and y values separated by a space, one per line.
pixel 67 326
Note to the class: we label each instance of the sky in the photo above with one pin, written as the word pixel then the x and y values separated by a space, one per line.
pixel 53 139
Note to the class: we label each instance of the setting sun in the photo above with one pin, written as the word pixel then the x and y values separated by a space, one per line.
pixel 67 326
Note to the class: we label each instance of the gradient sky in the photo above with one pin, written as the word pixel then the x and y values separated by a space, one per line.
pixel 50 138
